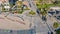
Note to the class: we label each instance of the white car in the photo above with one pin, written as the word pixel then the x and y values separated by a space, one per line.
pixel 6 6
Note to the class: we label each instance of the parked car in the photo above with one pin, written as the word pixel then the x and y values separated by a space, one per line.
pixel 52 13
pixel 58 17
pixel 44 18
pixel 54 10
pixel 38 12
pixel 50 32
pixel 6 6
pixel 30 5
pixel 57 11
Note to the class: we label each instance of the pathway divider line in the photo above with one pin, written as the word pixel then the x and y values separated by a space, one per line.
pixel 16 20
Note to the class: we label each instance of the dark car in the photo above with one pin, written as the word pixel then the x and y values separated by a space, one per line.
pixel 38 12
pixel 58 17
pixel 30 5
pixel 57 11
pixel 50 32
pixel 51 13
pixel 44 18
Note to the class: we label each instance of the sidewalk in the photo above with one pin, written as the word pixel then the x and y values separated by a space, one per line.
pixel 13 23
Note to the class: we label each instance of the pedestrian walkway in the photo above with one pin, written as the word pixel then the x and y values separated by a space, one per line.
pixel 13 23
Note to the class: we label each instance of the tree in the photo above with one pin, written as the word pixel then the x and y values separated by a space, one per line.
pixel 43 6
pixel 55 25
pixel 19 3
pixel 19 7
pixel 32 13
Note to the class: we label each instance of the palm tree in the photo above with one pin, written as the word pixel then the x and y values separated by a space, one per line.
pixel 19 6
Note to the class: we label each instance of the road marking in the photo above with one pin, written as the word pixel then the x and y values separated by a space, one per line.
pixel 16 20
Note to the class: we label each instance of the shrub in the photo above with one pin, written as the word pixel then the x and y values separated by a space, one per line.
pixel 32 13
pixel 55 25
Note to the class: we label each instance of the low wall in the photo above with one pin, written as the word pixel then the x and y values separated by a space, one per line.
pixel 30 31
